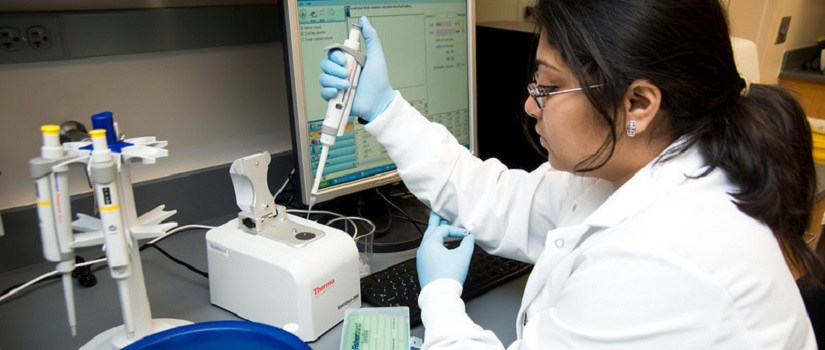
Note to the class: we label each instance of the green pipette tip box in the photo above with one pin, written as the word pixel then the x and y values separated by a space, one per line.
pixel 376 328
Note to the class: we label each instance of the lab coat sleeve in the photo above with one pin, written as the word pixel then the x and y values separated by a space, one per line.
pixel 446 325
pixel 623 299
pixel 508 211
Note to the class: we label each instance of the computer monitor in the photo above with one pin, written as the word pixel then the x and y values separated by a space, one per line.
pixel 430 54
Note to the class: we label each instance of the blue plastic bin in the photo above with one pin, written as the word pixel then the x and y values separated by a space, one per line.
pixel 221 335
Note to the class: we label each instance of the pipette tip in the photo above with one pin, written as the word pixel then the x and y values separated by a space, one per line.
pixel 74 330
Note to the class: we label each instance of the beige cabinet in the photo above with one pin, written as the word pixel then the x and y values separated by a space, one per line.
pixel 812 98
pixel 809 94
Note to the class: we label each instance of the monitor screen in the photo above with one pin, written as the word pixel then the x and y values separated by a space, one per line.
pixel 430 54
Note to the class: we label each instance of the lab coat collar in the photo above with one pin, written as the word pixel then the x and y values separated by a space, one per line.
pixel 650 183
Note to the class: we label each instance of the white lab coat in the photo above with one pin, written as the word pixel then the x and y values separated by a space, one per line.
pixel 664 262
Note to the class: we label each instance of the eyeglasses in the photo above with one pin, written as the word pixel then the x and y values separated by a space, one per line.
pixel 540 92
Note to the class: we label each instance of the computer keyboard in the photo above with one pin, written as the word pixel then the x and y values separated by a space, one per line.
pixel 397 285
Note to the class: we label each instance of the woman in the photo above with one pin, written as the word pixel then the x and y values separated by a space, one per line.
pixel 671 190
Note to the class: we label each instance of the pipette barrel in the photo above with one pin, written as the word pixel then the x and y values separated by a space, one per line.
pixel 339 106
pixel 43 187
pixel 338 109
pixel 104 176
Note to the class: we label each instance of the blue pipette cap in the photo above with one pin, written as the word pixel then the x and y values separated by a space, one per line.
pixel 104 120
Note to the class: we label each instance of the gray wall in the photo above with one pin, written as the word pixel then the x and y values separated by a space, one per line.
pixel 209 80
pixel 214 102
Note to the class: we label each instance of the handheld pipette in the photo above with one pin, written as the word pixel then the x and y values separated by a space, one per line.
pixel 107 193
pixel 63 226
pixel 54 213
pixel 338 109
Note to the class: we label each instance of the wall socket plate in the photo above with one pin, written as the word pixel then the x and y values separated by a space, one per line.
pixel 30 38
pixel 521 9
pixel 782 34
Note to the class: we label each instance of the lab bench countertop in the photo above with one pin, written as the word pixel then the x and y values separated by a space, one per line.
pixel 36 317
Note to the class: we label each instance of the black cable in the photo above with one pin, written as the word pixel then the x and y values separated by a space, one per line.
pixel 287 183
pixel 86 278
pixel 406 191
pixel 9 289
pixel 292 202
pixel 181 262
pixel 362 205
pixel 146 245
pixel 413 221
pixel 83 274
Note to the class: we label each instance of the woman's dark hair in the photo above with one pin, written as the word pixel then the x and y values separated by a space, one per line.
pixel 757 134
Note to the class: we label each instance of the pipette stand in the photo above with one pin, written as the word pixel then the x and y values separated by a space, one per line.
pixel 118 229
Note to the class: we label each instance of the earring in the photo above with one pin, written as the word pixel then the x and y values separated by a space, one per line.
pixel 631 128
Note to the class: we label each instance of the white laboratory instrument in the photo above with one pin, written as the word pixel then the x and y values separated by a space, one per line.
pixel 339 107
pixel 276 268
pixel 118 229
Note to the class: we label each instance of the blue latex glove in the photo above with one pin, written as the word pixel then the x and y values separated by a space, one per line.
pixel 374 92
pixel 435 261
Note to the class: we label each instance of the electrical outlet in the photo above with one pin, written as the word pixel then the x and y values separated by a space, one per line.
pixel 782 35
pixel 10 39
pixel 39 37
pixel 523 9
pixel 30 38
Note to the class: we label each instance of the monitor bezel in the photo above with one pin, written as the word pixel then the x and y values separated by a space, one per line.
pixel 298 118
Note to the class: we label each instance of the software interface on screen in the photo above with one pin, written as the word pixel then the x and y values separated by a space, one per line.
pixel 425 45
